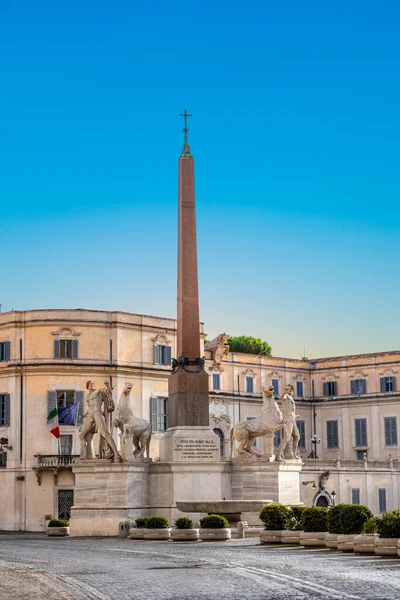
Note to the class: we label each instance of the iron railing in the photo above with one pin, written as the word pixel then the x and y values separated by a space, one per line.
pixel 51 461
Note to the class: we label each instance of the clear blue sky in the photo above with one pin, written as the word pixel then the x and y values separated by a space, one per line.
pixel 295 135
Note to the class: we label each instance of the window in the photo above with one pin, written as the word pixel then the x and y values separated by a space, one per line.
pixel 299 389
pixel 66 444
pixel 4 410
pixel 390 431
pixel 355 496
pixel 4 351
pixel 65 399
pixel 277 438
pixel 358 387
pixel 382 500
pixel 159 414
pixel 332 434
pixel 70 405
pixel 388 384
pixel 361 454
pixel 301 426
pixel 249 385
pixel 65 348
pixel 330 388
pixel 221 441
pixel 3 460
pixel 216 382
pixel 65 501
pixel 162 355
pixel 360 432
pixel 275 385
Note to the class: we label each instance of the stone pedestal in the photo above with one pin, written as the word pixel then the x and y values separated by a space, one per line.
pixel 190 444
pixel 106 493
pixel 259 479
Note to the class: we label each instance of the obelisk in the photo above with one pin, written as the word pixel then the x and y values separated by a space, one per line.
pixel 188 400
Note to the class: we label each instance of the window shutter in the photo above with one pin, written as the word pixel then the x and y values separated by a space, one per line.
pixel 353 390
pixel 383 384
pixel 79 398
pixel 51 401
pixel 6 410
pixel 56 348
pixel 388 436
pixel 335 392
pixel 336 434
pixel 167 355
pixel 382 500
pixel 153 410
pixel 394 430
pixel 325 388
pixel 355 496
pixel 156 361
pixel 74 348
pixel 364 432
pixel 363 386
pixel 393 384
pixel 6 351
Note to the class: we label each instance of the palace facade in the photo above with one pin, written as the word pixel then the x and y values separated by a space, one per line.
pixel 348 406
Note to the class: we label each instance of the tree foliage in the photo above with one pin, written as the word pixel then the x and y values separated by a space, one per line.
pixel 249 345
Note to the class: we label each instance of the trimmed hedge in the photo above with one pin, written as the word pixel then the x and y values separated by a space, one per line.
pixel 141 522
pixel 157 523
pixel 58 523
pixel 214 522
pixel 275 517
pixel 369 527
pixel 184 523
pixel 348 519
pixel 295 521
pixel 315 519
pixel 388 526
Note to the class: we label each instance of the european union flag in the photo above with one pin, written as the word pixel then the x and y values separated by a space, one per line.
pixel 67 415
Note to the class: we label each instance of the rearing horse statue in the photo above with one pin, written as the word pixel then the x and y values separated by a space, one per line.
pixel 245 432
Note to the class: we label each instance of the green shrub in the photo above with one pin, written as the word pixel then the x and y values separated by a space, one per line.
pixel 275 516
pixel 58 523
pixel 369 527
pixel 388 526
pixel 141 521
pixel 157 523
pixel 214 522
pixel 353 517
pixel 315 519
pixel 184 523
pixel 294 522
pixel 334 519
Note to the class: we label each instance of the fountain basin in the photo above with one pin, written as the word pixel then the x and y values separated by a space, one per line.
pixel 230 509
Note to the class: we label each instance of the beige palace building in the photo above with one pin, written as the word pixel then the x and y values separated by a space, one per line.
pixel 348 406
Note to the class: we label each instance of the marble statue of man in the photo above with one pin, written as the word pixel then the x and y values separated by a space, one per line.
pixel 94 420
pixel 288 448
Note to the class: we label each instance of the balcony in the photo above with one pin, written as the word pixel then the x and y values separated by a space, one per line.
pixel 53 462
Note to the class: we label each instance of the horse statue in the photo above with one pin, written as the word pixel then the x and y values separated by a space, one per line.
pixel 245 432
pixel 131 427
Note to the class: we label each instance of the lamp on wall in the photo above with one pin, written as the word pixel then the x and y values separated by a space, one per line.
pixel 314 485
pixel 333 496
pixel 314 442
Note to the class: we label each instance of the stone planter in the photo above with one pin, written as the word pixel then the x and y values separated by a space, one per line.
pixel 290 537
pixel 313 539
pixel 398 548
pixel 364 544
pixel 157 534
pixel 137 533
pixel 220 534
pixel 57 531
pixel 331 541
pixel 271 536
pixel 184 535
pixel 386 546
pixel 345 542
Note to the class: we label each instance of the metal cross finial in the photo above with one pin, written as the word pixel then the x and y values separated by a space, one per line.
pixel 185 149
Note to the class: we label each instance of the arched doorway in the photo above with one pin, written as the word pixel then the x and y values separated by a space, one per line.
pixel 221 440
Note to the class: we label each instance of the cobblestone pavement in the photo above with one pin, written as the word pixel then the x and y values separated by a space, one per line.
pixel 33 566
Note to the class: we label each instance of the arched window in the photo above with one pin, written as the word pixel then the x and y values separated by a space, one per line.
pixel 221 441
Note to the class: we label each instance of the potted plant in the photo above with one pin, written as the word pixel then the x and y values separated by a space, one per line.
pixel 214 528
pixel 333 527
pixel 365 543
pixel 57 527
pixel 291 535
pixel 352 519
pixel 157 528
pixel 315 525
pixel 388 527
pixel 184 530
pixel 47 519
pixel 275 520
pixel 137 533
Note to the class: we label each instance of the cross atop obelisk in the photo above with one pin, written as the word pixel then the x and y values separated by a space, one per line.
pixel 186 147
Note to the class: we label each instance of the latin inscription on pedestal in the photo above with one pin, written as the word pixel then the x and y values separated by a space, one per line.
pixel 195 449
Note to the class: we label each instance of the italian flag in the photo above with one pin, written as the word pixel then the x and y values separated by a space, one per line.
pixel 52 423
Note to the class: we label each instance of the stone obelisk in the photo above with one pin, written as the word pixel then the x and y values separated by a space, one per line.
pixel 188 401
